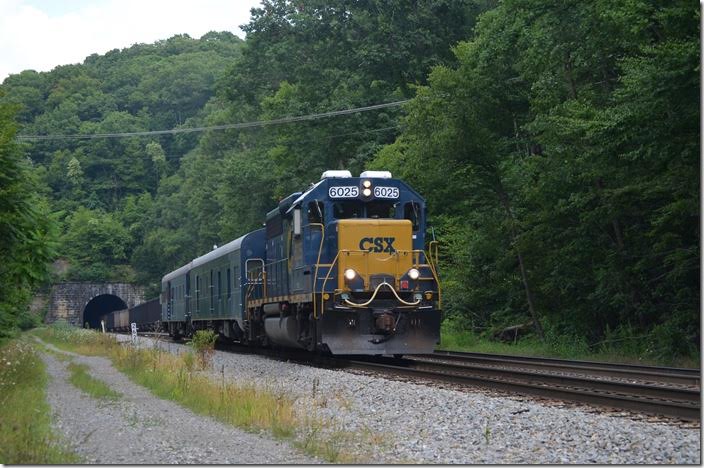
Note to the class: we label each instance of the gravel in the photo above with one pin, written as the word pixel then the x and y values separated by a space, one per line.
pixel 140 428
pixel 402 422
pixel 385 421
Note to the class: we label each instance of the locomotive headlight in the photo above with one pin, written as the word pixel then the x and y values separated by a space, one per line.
pixel 367 183
pixel 350 274
pixel 413 273
pixel 367 192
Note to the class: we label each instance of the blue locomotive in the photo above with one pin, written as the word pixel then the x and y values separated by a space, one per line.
pixel 341 268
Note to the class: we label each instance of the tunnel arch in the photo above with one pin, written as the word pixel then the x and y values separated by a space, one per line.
pixel 98 306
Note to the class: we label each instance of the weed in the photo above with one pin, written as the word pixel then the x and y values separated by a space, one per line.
pixel 25 416
pixel 93 387
pixel 204 344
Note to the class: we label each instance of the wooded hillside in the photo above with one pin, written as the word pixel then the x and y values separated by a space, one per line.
pixel 557 144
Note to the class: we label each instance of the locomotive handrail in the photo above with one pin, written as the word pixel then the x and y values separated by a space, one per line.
pixel 366 253
pixel 322 301
pixel 433 248
pixel 371 299
pixel 261 275
pixel 317 265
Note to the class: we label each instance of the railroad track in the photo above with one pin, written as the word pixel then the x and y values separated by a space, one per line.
pixel 531 377
pixel 647 389
pixel 669 375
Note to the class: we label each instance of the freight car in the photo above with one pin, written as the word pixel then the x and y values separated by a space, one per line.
pixel 339 268
pixel 121 320
pixel 147 316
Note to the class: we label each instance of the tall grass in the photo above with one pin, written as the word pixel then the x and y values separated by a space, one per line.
pixel 25 416
pixel 77 340
pixel 177 378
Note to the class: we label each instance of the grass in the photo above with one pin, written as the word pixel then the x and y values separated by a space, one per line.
pixel 93 387
pixel 181 378
pixel 25 416
pixel 177 378
pixel 564 347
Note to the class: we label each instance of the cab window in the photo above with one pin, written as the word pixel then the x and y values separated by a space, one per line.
pixel 316 212
pixel 380 209
pixel 411 211
pixel 348 209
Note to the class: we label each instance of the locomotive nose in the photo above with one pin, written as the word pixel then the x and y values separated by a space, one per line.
pixel 375 250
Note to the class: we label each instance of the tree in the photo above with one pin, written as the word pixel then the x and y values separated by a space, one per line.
pixel 27 231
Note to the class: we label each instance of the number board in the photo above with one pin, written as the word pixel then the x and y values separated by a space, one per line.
pixel 386 192
pixel 349 191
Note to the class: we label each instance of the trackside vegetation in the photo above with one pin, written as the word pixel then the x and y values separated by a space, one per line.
pixel 81 378
pixel 186 380
pixel 25 416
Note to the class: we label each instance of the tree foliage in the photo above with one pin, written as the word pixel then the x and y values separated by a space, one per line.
pixel 571 130
pixel 27 232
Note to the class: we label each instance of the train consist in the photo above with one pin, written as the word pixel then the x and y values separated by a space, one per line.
pixel 340 268
pixel 147 316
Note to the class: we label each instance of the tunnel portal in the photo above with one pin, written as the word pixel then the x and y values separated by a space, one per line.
pixel 99 306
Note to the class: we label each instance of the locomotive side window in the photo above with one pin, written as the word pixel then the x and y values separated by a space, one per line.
pixel 347 209
pixel 316 212
pixel 380 209
pixel 411 211
pixel 219 293
pixel 229 284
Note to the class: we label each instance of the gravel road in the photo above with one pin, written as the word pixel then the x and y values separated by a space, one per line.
pixel 140 428
pixel 410 423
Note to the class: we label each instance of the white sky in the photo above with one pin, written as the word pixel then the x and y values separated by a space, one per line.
pixel 41 34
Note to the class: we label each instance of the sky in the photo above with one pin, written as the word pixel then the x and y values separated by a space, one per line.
pixel 41 34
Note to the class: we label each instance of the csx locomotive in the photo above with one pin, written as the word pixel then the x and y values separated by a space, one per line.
pixel 340 268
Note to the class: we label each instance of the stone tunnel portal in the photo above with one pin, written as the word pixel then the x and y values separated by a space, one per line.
pixel 99 306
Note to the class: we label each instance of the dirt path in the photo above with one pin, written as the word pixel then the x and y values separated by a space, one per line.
pixel 140 428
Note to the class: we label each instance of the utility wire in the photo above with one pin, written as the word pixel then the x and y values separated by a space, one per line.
pixel 259 123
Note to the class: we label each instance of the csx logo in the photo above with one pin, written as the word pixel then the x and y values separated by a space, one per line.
pixel 377 244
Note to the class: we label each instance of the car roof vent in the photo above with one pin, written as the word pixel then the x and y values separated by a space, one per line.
pixel 336 175
pixel 376 174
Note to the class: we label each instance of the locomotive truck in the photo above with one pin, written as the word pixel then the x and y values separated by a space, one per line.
pixel 340 268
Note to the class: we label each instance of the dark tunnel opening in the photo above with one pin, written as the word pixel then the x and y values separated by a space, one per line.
pixel 99 306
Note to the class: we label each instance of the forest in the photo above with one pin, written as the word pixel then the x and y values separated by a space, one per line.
pixel 557 144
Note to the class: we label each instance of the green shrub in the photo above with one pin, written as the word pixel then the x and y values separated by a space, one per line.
pixel 203 343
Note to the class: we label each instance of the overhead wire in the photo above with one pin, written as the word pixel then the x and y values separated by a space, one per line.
pixel 258 123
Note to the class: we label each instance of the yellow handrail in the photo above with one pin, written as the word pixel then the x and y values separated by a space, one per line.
pixel 317 264
pixel 365 252
pixel 322 301
pixel 371 299
pixel 433 246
